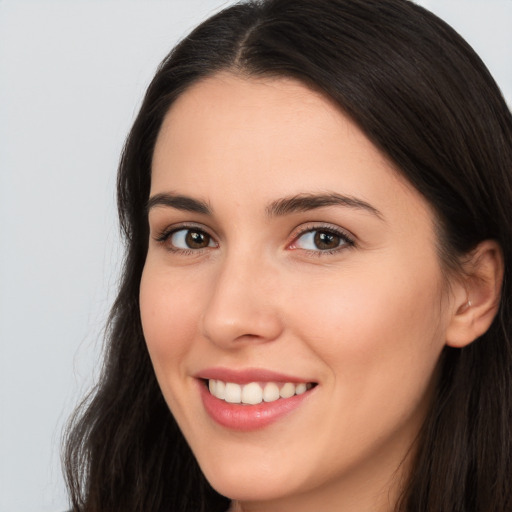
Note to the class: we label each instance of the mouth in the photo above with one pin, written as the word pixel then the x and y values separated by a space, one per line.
pixel 254 393
pixel 251 398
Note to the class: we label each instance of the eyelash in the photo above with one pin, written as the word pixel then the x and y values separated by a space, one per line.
pixel 346 240
pixel 167 233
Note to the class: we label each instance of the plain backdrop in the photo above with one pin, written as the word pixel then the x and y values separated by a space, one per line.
pixel 72 75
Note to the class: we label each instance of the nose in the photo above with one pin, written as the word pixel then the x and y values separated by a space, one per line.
pixel 243 304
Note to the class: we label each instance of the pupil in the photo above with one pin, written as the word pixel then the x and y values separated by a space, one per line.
pixel 197 240
pixel 324 240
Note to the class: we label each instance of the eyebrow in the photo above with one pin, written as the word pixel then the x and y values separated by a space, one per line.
pixel 278 208
pixel 306 202
pixel 179 202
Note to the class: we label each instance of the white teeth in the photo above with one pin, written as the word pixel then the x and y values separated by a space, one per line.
pixel 233 393
pixel 220 389
pixel 254 393
pixel 270 392
pixel 300 388
pixel 287 390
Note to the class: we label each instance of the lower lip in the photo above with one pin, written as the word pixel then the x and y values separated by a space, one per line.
pixel 248 417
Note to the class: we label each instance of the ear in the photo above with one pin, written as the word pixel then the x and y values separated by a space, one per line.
pixel 476 294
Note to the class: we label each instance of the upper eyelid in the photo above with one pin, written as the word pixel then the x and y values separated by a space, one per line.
pixel 320 226
pixel 163 238
pixel 348 241
pixel 173 228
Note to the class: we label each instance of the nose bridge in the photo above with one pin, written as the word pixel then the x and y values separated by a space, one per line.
pixel 242 304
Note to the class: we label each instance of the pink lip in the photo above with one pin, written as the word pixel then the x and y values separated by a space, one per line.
pixel 247 417
pixel 246 375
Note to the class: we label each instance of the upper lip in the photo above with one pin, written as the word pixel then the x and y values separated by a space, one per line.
pixel 244 376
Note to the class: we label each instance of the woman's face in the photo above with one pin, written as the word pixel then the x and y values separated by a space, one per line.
pixel 287 256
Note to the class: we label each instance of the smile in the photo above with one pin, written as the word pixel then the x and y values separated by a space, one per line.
pixel 255 393
pixel 251 398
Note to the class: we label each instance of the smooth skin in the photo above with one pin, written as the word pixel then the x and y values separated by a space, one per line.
pixel 350 295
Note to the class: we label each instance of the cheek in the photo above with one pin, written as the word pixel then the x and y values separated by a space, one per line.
pixel 169 311
pixel 379 336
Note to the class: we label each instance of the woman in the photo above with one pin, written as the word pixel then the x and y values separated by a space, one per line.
pixel 315 306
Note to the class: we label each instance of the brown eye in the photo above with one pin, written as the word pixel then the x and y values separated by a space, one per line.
pixel 190 239
pixel 197 239
pixel 324 240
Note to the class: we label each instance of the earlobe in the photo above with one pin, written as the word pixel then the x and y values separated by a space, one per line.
pixel 477 297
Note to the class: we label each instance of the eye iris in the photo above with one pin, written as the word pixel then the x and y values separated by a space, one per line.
pixel 197 240
pixel 325 240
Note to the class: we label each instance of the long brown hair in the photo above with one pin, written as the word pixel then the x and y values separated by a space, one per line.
pixel 422 95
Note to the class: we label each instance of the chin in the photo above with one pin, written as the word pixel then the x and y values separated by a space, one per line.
pixel 249 488
pixel 247 482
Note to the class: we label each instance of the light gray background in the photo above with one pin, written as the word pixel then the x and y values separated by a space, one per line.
pixel 72 74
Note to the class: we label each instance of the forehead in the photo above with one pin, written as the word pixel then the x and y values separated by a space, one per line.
pixel 230 137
